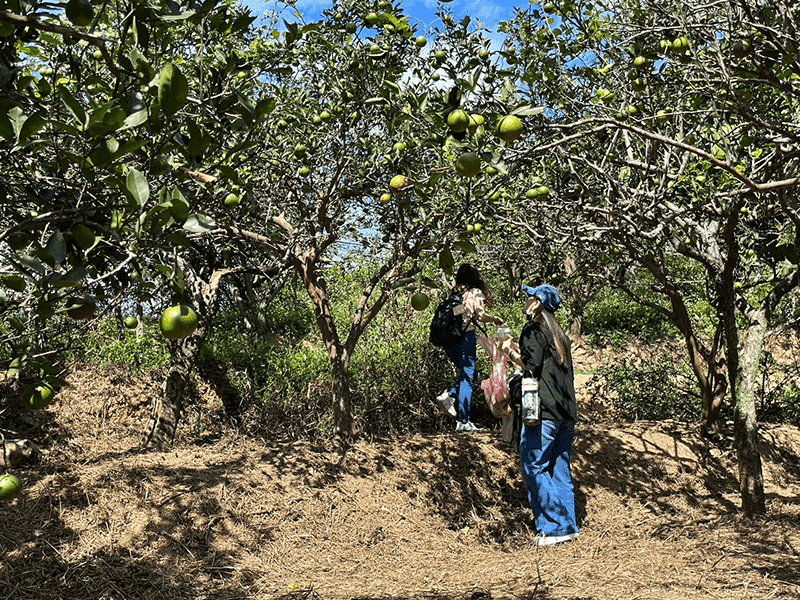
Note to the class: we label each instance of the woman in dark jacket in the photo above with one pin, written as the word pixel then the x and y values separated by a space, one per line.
pixel 546 448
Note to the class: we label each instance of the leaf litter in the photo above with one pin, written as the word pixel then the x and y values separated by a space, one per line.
pixel 232 512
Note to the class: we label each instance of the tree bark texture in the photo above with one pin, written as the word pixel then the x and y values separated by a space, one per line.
pixel 166 407
pixel 746 438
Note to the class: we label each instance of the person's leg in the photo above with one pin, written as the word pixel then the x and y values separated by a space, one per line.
pixel 466 376
pixel 543 449
pixel 561 477
pixel 454 354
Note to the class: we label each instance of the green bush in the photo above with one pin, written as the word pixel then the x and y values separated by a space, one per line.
pixel 651 390
pixel 612 317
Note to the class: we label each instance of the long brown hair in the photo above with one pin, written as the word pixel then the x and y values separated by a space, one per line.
pixel 547 320
pixel 468 277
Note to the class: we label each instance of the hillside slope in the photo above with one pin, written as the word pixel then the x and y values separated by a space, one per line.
pixel 222 516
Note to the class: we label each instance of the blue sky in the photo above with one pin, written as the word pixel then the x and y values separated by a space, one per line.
pixel 489 12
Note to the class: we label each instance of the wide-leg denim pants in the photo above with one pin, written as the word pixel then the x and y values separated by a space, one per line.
pixel 545 454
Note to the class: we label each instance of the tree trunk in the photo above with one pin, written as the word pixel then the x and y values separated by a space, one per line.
pixel 343 424
pixel 746 438
pixel 166 409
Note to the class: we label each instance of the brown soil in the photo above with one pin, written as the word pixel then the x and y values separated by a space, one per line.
pixel 223 516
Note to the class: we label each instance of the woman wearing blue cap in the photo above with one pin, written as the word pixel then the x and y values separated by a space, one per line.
pixel 546 447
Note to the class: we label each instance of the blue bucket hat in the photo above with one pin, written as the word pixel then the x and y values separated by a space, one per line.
pixel 547 295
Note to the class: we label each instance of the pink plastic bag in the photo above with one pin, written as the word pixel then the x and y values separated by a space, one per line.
pixel 495 389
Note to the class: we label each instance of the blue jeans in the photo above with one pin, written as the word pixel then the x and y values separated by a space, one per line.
pixel 545 452
pixel 464 356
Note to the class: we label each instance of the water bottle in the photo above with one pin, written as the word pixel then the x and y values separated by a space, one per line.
pixel 504 333
pixel 530 401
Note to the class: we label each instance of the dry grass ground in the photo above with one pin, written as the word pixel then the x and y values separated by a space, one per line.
pixel 223 516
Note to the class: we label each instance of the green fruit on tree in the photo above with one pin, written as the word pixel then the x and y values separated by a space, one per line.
pixel 435 77
pixel 640 62
pixel 6 28
pixel 741 48
pixel 299 150
pixel 483 53
pixel 477 227
pixel 532 193
pixel 304 171
pixel 543 191
pixel 10 487
pixel 399 184
pixel 639 84
pixel 372 18
pixel 84 236
pixel 549 7
pixel 178 322
pixel 79 12
pixel 680 44
pixel 440 55
pixel 510 128
pixel 375 49
pixel 475 121
pixel 420 301
pixel 231 201
pixel 350 27
pixel 131 322
pixel 468 164
pixel 39 396
pixel 421 41
pixel 385 198
pixel 662 116
pixel 458 120
pixel 470 228
pixel 604 95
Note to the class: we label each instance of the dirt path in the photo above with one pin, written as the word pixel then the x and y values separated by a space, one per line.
pixel 442 516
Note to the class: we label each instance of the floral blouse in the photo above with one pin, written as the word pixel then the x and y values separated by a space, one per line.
pixel 472 305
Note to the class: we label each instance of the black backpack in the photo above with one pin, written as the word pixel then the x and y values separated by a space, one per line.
pixel 447 328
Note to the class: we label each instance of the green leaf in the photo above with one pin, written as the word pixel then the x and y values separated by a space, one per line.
pixel 13 282
pixel 30 127
pixel 173 88
pixel 19 363
pixel 33 264
pixel 57 247
pixel 446 260
pixel 178 239
pixel 138 187
pixel 178 206
pixel 527 110
pixel 73 106
pixel 17 324
pixel 465 246
pixel 265 106
pixel 181 17
pixel 73 278
pixel 199 224
pixel 135 119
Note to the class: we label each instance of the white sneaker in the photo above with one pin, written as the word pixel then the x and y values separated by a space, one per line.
pixel 468 426
pixel 446 403
pixel 549 540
